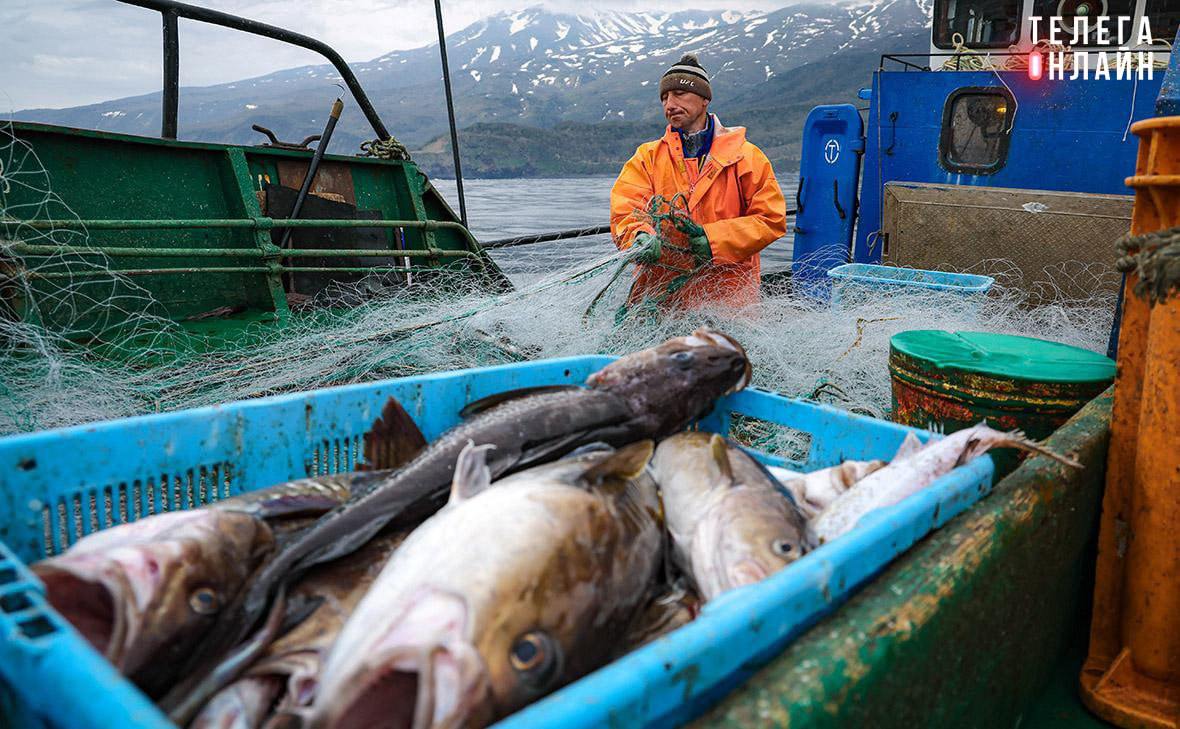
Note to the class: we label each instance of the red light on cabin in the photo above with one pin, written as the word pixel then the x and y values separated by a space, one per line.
pixel 1035 69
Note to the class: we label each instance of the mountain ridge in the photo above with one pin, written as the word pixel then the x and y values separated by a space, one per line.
pixel 538 69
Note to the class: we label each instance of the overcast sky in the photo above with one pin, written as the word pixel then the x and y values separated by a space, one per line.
pixel 58 53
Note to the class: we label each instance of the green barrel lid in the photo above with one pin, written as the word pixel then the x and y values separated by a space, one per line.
pixel 1004 355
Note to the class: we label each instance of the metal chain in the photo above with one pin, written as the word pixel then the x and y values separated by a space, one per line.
pixel 1155 258
pixel 385 149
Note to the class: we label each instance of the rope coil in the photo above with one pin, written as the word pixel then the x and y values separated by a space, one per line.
pixel 1155 258
pixel 385 149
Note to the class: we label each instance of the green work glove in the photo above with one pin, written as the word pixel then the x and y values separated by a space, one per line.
pixel 647 247
pixel 698 242
pixel 701 250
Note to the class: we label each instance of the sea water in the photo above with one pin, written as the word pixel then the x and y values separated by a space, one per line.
pixel 513 207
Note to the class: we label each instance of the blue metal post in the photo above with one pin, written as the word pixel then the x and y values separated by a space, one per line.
pixel 1168 102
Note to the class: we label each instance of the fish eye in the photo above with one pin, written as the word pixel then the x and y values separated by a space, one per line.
pixel 535 657
pixel 204 601
pixel 682 357
pixel 782 547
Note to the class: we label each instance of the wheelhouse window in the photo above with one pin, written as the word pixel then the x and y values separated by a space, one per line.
pixel 976 126
pixel 1068 10
pixel 981 23
pixel 1164 16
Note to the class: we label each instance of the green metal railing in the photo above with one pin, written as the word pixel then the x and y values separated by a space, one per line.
pixel 228 269
pixel 268 253
pixel 258 223
pixel 33 249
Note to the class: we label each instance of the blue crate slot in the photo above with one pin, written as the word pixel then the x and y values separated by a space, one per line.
pixel 58 486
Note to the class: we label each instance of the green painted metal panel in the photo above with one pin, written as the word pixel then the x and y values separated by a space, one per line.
pixel 114 177
pixel 969 626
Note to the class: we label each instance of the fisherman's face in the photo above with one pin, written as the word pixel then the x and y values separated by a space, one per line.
pixel 685 110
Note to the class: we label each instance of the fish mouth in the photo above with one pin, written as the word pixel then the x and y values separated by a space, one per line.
pixel 92 605
pixel 423 673
pixel 110 599
pixel 442 685
pixel 706 336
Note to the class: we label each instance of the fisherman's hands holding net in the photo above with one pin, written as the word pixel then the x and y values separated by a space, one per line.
pixel 648 248
pixel 698 242
pixel 649 245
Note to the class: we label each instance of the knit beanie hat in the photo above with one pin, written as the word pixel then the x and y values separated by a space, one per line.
pixel 687 75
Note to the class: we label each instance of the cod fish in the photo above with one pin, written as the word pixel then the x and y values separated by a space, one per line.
pixel 909 473
pixel 278 687
pixel 143 593
pixel 647 394
pixel 504 595
pixel 730 523
pixel 813 492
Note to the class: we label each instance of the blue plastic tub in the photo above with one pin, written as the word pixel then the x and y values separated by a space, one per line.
pixel 57 486
pixel 853 281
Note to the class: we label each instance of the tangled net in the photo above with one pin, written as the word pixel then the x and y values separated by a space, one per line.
pixel 93 345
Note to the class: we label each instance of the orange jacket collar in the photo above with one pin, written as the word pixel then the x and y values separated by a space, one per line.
pixel 727 142
pixel 725 151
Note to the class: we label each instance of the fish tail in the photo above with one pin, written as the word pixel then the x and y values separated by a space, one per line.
pixel 1017 439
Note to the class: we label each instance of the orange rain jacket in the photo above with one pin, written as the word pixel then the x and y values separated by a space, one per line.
pixel 734 197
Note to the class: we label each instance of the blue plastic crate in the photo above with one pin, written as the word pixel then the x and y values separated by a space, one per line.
pixel 858 280
pixel 59 485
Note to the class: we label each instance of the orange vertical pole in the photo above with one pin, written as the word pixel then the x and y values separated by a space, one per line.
pixel 1132 674
pixel 1151 619
pixel 1105 628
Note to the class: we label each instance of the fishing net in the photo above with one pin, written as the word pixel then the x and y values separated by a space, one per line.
pixel 96 346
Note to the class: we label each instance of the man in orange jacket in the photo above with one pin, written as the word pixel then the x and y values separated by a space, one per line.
pixel 732 197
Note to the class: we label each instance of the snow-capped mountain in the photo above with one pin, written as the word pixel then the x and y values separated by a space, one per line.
pixel 536 68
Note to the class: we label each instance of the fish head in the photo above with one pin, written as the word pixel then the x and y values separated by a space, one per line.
pixel 726 513
pixel 746 538
pixel 142 593
pixel 496 600
pixel 677 381
pixel 461 657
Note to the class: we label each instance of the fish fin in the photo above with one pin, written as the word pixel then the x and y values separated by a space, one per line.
pixel 719 455
pixel 472 474
pixel 393 440
pixel 778 481
pixel 849 472
pixel 595 447
pixel 1017 439
pixel 911 445
pixel 491 401
pixel 626 463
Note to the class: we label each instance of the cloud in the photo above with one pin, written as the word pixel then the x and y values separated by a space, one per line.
pixel 72 52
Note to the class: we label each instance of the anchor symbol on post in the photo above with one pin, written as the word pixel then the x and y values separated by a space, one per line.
pixel 832 151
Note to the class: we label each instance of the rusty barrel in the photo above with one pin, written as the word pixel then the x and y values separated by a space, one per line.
pixel 952 380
